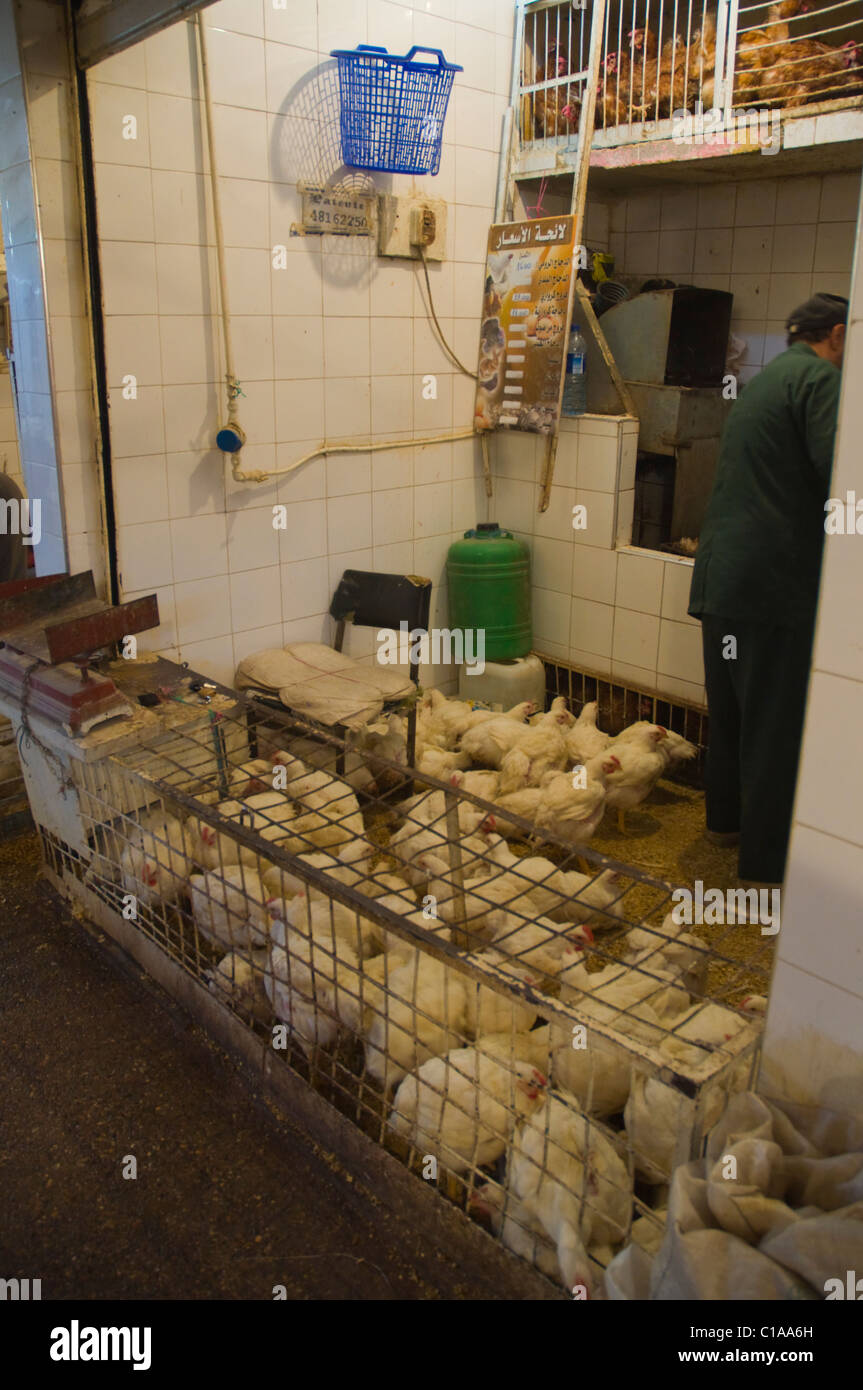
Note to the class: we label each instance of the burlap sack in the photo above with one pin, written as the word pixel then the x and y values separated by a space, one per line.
pixel 778 1222
pixel 323 684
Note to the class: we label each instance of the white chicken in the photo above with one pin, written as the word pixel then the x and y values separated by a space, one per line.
pixel 325 830
pixel 569 805
pixel 490 741
pixel 641 763
pixel 228 908
pixel 281 883
pixel 313 985
pixel 486 1011
pixel 590 1067
pixel 515 1227
pixel 325 919
pixel 598 900
pixel 512 1047
pixel 462 1107
pixel 254 776
pixel 443 722
pixel 378 882
pixel 154 864
pixel 541 750
pixel 479 782
pixel 556 713
pixel 419 1012
pixel 529 887
pixel 584 740
pixel 239 979
pixel 440 762
pixel 266 813
pixel 674 747
pixel 639 1002
pixel 659 1120
pixel 425 828
pixel 304 784
pixel 402 903
pixel 670 947
pixel 487 743
pixel 332 816
pixel 573 1183
pixel 539 944
pixel 532 888
pixel 702 1030
pixel 383 743
pixel 322 755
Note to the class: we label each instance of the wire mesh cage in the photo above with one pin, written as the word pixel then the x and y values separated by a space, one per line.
pixel 521 1021
pixel 663 59
pixel 794 53
pixel 555 44
pixel 393 108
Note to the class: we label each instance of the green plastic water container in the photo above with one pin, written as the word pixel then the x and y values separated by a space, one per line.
pixel 488 583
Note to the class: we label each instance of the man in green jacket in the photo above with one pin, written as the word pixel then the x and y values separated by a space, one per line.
pixel 755 585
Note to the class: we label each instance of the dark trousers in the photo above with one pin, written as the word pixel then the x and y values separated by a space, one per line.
pixel 756 700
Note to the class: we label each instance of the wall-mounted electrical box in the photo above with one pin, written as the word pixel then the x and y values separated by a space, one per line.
pixel 405 224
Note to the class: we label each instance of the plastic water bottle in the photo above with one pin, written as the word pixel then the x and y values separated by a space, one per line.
pixel 575 382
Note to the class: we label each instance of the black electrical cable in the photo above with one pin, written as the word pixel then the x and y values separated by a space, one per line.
pixel 444 342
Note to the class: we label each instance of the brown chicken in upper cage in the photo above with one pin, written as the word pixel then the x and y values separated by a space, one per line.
pixel 681 74
pixel 556 110
pixel 612 102
pixel 773 67
pixel 810 71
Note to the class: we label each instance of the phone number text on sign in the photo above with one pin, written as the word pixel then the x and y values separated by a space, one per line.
pixel 345 215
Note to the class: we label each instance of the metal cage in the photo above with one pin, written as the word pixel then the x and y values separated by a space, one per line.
pixel 530 1036
pixel 667 57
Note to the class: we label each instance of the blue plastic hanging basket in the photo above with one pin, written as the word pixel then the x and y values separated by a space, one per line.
pixel 392 109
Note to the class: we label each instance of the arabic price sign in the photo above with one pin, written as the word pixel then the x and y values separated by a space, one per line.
pixel 522 349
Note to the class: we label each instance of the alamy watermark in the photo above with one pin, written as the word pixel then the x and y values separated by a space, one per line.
pixel 717 127
pixel 77 1343
pixel 844 515
pixel 20 1290
pixel 851 1288
pixel 21 518
pixel 715 907
pixel 441 646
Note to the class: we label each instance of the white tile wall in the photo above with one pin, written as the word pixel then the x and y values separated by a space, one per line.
pixel 771 242
pixel 813 1050
pixel 628 606
pixel 335 344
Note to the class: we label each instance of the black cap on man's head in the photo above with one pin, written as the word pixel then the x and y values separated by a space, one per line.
pixel 821 312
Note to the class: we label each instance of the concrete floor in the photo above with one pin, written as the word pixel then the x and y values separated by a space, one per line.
pixel 229 1200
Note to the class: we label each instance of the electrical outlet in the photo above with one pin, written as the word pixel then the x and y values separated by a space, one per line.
pixel 423 226
pixel 406 223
